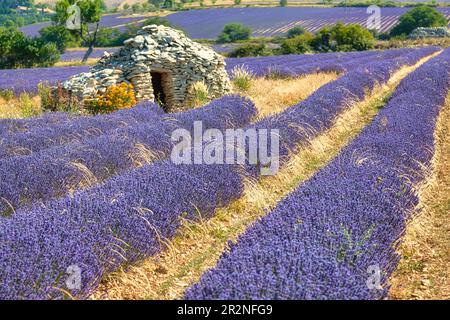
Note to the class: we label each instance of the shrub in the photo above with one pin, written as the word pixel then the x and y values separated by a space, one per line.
pixel 237 2
pixel 158 21
pixel 7 94
pixel 27 106
pixel 198 94
pixel 242 77
pixel 295 31
pixel 250 50
pixel 16 50
pixel 57 99
pixel 60 36
pixel 116 97
pixel 283 3
pixel 299 44
pixel 233 32
pixel 342 37
pixel 421 16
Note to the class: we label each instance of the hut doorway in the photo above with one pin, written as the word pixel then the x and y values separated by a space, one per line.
pixel 161 88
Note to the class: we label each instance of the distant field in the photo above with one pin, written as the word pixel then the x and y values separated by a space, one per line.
pixel 117 20
pixel 265 22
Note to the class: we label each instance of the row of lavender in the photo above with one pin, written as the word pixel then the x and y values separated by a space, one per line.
pixel 296 65
pixel 334 237
pixel 123 220
pixel 27 80
pixel 60 129
pixel 271 21
pixel 58 170
pixel 62 168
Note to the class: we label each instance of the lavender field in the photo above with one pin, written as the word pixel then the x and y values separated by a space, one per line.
pixel 264 21
pixel 97 193
pixel 27 80
pixel 117 20
pixel 76 55
pixel 267 22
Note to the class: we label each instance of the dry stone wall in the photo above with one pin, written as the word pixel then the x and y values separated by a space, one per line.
pixel 161 63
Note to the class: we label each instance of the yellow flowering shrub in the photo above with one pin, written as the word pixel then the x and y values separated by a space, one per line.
pixel 116 97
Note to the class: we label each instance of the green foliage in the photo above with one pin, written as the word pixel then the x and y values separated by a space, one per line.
pixel 233 32
pixel 250 50
pixel 19 20
pixel 298 45
pixel 342 37
pixel 379 3
pixel 27 106
pixel 6 6
pixel 136 7
pixel 198 95
pixel 421 16
pixel 283 3
pixel 237 2
pixel 90 12
pixel 295 31
pixel 57 99
pixel 158 21
pixel 6 94
pixel 60 36
pixel 109 37
pixel 19 51
pixel 242 78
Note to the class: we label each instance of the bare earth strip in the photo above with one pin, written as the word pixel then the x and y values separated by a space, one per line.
pixel 272 96
pixel 423 272
pixel 199 245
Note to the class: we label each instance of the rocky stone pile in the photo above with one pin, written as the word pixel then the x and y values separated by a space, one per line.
pixel 429 33
pixel 165 54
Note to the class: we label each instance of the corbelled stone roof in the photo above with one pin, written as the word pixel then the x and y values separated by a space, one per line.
pixel 155 49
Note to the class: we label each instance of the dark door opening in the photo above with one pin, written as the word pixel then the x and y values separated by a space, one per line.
pixel 159 90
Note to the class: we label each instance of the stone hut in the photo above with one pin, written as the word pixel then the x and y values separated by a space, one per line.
pixel 440 32
pixel 161 63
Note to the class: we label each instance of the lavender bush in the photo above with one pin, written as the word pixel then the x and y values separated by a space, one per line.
pixel 125 219
pixel 312 116
pixel 59 170
pixel 297 65
pixel 27 80
pixel 325 238
pixel 43 137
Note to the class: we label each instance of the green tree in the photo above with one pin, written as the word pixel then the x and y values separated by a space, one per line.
pixel 158 21
pixel 342 37
pixel 237 2
pixel 156 3
pixel 233 32
pixel 250 50
pixel 6 6
pixel 59 35
pixel 295 31
pixel 421 16
pixel 90 13
pixel 19 51
pixel 136 7
pixel 298 45
pixel 283 3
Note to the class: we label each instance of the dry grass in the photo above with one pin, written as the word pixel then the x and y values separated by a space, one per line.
pixel 20 107
pixel 423 271
pixel 274 95
pixel 199 245
pixel 77 63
